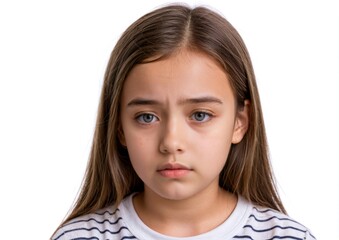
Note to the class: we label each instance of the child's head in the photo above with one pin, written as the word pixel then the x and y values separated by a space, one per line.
pixel 156 36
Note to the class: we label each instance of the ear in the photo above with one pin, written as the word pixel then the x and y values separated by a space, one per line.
pixel 241 123
pixel 121 136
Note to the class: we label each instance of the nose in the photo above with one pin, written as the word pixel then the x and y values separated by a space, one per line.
pixel 171 141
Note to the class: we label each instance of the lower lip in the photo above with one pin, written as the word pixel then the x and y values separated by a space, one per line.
pixel 174 173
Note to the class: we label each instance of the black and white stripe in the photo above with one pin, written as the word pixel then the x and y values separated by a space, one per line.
pixel 265 223
pixel 247 222
pixel 101 225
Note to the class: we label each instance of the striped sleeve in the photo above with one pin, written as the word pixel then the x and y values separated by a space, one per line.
pixel 104 224
pixel 269 224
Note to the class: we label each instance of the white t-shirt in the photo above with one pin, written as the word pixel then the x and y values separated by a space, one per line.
pixel 246 222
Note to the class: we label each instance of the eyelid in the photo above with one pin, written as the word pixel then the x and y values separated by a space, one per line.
pixel 141 114
pixel 207 112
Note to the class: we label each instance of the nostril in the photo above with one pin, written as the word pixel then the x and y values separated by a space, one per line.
pixel 163 149
pixel 168 149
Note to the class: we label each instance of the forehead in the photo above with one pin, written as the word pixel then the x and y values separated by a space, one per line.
pixel 185 74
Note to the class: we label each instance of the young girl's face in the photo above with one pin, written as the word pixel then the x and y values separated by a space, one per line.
pixel 179 119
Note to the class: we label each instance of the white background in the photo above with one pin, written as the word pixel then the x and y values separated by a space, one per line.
pixel 52 60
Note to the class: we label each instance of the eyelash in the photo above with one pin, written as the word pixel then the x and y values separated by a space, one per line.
pixel 140 118
pixel 206 114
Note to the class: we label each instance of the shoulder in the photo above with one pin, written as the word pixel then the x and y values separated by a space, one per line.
pixel 106 223
pixel 266 223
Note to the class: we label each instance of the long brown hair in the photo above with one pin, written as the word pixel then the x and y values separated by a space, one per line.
pixel 110 176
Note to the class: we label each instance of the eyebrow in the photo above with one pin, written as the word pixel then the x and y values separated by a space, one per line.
pixel 144 101
pixel 207 99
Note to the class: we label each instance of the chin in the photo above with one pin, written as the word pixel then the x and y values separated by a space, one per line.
pixel 175 195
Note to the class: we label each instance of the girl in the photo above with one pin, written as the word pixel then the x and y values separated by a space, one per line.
pixel 179 149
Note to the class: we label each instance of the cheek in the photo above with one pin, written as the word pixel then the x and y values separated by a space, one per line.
pixel 140 149
pixel 216 146
pixel 136 147
pixel 215 158
pixel 217 149
pixel 137 153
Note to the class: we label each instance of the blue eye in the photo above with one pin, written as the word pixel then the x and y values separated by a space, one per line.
pixel 201 116
pixel 146 118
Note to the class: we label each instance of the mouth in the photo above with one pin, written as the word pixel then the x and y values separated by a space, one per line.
pixel 174 170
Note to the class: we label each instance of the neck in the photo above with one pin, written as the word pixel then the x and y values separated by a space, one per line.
pixel 185 217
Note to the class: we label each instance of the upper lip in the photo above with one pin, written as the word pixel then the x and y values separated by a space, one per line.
pixel 173 166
